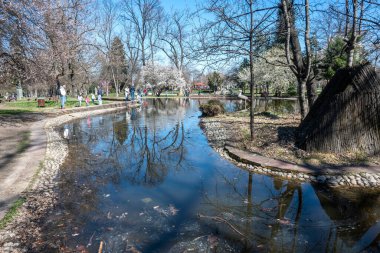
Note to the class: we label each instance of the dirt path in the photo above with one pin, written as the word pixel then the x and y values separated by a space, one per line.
pixel 23 148
pixel 23 144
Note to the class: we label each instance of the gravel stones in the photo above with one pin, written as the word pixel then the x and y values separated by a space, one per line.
pixel 217 137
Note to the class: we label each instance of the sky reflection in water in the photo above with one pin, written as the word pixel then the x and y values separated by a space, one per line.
pixel 139 179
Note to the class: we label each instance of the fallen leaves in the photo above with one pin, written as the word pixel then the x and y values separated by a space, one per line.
pixel 170 211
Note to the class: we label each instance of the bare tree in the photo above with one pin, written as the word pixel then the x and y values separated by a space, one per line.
pixel 108 22
pixel 132 47
pixel 236 30
pixel 351 41
pixel 301 66
pixel 142 14
pixel 174 40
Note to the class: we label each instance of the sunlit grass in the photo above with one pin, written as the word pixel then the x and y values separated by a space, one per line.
pixel 12 212
pixel 24 106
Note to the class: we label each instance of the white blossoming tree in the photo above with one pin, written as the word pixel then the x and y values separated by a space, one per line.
pixel 270 71
pixel 163 77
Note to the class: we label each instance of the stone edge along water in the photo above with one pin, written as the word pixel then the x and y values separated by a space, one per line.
pixel 41 196
pixel 216 134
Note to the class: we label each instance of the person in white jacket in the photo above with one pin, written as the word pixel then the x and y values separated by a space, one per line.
pixel 80 99
pixel 126 94
pixel 62 92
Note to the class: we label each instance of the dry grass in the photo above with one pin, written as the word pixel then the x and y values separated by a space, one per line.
pixel 275 138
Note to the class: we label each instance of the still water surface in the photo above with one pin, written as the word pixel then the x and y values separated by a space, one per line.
pixel 146 179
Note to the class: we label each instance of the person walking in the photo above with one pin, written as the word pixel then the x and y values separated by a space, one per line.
pixel 126 93
pixel 139 98
pixel 80 98
pixel 132 91
pixel 100 93
pixel 62 94
pixel 93 98
pixel 87 100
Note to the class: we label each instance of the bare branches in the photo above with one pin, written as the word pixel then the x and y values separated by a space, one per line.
pixel 287 41
pixel 143 15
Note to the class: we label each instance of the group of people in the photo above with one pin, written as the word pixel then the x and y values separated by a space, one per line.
pixel 61 92
pixel 87 99
pixel 130 94
pixel 187 92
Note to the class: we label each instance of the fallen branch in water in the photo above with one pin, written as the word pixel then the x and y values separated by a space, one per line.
pixel 219 219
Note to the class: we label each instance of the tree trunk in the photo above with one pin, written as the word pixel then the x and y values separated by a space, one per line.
pixel 143 53
pixel 301 97
pixel 311 91
pixel 352 41
pixel 300 66
pixel 347 19
pixel 115 82
pixel 252 78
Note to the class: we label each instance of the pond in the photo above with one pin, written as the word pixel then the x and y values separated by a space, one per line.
pixel 274 105
pixel 146 180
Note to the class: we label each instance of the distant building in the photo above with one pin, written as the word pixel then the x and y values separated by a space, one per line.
pixel 200 86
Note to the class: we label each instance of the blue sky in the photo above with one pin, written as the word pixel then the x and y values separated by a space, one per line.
pixel 170 5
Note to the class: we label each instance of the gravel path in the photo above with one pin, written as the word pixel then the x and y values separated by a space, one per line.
pixel 21 234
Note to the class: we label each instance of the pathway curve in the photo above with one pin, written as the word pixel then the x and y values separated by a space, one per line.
pixel 18 167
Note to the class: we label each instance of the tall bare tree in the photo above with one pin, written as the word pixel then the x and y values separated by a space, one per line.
pixel 174 38
pixel 53 37
pixel 236 30
pixel 108 23
pixel 352 35
pixel 298 63
pixel 142 15
pixel 132 47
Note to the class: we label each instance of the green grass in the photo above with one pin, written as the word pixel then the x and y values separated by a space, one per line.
pixel 10 112
pixel 12 212
pixel 23 106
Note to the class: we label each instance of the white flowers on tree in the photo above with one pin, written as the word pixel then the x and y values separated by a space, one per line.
pixel 161 77
pixel 270 70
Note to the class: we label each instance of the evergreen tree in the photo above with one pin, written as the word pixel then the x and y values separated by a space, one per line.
pixel 335 58
pixel 215 81
pixel 117 65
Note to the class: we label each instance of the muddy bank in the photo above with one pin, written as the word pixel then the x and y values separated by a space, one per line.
pixel 23 233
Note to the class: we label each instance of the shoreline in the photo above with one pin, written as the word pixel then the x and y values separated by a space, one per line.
pixel 194 96
pixel 225 144
pixel 15 177
pixel 40 196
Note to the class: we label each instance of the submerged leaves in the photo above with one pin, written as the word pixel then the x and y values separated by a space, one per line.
pixel 170 211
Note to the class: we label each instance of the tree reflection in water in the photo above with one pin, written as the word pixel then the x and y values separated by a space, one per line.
pixel 282 216
pixel 124 170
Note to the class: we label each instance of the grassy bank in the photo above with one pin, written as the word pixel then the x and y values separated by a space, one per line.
pixel 275 138
pixel 28 106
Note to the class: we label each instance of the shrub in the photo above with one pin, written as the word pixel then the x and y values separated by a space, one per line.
pixel 292 90
pixel 212 108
